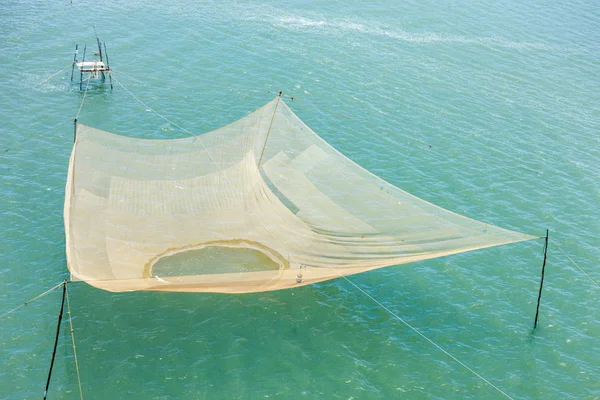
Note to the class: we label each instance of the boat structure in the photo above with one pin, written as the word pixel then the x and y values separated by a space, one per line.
pixel 97 69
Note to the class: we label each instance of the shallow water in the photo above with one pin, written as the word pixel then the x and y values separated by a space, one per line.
pixel 487 109
pixel 214 260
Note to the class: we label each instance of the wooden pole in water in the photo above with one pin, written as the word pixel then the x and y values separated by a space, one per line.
pixel 74 130
pixel 81 69
pixel 60 315
pixel 537 310
pixel 74 61
pixel 108 65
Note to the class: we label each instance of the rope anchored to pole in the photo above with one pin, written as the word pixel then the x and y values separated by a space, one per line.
pixel 32 300
pixel 537 310
pixel 73 342
pixel 60 315
pixel 269 131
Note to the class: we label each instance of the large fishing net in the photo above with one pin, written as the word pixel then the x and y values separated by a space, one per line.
pixel 261 204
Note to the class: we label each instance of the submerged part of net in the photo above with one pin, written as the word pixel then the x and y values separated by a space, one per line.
pixel 261 204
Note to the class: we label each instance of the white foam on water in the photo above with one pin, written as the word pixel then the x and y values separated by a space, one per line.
pixel 323 25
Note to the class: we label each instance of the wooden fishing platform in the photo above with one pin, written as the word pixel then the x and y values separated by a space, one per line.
pixel 97 69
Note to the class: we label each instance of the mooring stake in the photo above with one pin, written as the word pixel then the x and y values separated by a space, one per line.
pixel 74 62
pixel 537 310
pixel 60 315
pixel 74 130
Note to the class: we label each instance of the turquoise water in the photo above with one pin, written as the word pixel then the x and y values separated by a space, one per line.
pixel 490 109
pixel 214 260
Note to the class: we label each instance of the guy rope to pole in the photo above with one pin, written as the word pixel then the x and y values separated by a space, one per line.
pixel 60 315
pixel 269 131
pixel 537 310
pixel 39 296
pixel 73 342
pixel 65 295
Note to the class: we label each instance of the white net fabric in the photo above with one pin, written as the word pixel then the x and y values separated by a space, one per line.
pixel 223 212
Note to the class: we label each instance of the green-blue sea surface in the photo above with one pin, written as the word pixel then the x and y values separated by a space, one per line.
pixel 488 108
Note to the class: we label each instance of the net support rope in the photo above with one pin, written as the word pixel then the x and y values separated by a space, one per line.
pixel 376 132
pixel 51 76
pixel 577 265
pixel 269 131
pixel 32 300
pixel 73 342
pixel 87 85
pixel 127 75
pixel 241 90
pixel 397 317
